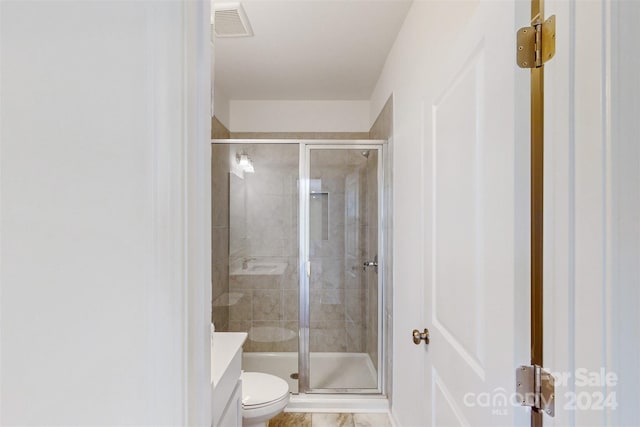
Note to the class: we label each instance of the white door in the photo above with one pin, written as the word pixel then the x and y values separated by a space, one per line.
pixel 592 200
pixel 476 223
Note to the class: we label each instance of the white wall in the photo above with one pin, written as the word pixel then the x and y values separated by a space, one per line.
pixel 299 116
pixel 97 276
pixel 221 107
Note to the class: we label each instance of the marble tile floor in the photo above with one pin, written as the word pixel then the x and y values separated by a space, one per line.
pixel 300 419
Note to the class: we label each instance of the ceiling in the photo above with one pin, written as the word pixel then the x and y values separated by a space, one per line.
pixel 309 49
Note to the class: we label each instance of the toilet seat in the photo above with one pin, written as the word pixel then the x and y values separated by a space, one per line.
pixel 267 404
pixel 260 390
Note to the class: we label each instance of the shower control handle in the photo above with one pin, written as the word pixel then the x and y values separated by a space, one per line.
pixel 419 336
pixel 370 264
pixel 373 263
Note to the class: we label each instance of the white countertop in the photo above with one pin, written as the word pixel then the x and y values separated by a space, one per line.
pixel 224 346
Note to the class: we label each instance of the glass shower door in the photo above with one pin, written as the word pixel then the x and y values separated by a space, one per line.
pixel 340 302
pixel 255 252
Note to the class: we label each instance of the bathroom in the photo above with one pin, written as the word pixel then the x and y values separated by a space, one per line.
pixel 301 183
pixel 256 288
pixel 292 167
pixel 106 148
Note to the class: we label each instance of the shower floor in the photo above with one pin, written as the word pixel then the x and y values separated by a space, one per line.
pixel 327 370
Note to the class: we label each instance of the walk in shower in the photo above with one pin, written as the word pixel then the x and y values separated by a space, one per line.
pixel 297 259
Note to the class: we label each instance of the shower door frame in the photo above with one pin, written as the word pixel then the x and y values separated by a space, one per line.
pixel 304 353
pixel 382 148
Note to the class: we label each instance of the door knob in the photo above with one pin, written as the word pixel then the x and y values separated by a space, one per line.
pixel 419 336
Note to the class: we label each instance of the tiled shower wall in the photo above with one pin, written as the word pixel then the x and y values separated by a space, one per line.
pixel 338 309
pixel 219 227
pixel 264 232
pixel 299 135
pixel 370 276
pixel 218 130
pixel 220 235
pixel 263 229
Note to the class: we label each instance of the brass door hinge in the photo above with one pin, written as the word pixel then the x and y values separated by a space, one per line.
pixel 536 44
pixel 535 387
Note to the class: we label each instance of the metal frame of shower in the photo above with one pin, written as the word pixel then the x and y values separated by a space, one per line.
pixel 305 146
pixel 304 356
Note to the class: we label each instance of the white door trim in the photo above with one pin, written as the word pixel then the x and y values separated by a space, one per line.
pixel 197 111
pixel 181 225
pixel 578 213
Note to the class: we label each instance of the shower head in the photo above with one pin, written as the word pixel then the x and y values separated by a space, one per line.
pixel 365 153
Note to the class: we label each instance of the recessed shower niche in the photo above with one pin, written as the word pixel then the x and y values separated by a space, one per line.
pixel 290 240
pixel 318 211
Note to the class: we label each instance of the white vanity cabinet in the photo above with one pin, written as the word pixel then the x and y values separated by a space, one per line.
pixel 226 387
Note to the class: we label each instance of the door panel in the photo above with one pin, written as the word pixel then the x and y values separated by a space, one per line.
pixel 447 412
pixel 456 239
pixel 470 217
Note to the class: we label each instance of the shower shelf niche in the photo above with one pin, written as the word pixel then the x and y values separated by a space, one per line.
pixel 261 269
pixel 227 299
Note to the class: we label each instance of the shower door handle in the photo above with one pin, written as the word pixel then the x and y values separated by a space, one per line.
pixel 373 263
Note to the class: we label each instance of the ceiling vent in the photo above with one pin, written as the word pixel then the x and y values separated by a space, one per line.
pixel 230 20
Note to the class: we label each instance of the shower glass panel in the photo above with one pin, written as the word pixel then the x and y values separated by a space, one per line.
pixel 255 281
pixel 343 295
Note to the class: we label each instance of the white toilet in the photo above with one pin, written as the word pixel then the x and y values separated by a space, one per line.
pixel 263 397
